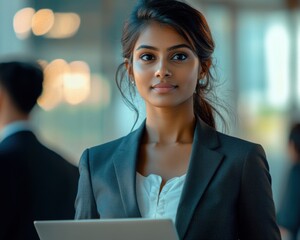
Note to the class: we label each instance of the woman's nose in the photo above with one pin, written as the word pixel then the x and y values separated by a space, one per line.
pixel 162 71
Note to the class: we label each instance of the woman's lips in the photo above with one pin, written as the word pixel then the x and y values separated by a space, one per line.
pixel 163 87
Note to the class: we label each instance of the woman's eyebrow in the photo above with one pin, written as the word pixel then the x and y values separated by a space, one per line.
pixel 179 46
pixel 169 49
pixel 146 47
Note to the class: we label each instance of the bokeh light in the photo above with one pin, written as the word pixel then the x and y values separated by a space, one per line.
pixel 76 83
pixel 65 25
pixel 42 21
pixel 22 22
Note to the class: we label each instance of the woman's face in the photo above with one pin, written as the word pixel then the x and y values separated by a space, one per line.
pixel 164 67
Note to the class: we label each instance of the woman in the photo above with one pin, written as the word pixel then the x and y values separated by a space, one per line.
pixel 176 165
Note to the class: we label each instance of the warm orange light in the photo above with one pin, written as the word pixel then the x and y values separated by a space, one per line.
pixel 70 82
pixel 77 83
pixel 50 98
pixel 42 21
pixel 54 73
pixel 22 22
pixel 65 25
pixel 100 91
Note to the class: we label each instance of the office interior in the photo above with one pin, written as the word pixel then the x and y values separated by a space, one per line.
pixel 257 61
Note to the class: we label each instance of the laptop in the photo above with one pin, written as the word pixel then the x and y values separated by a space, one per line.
pixel 107 229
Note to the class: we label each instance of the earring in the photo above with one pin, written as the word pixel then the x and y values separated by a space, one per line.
pixel 132 81
pixel 129 78
pixel 201 82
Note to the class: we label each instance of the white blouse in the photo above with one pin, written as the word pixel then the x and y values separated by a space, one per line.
pixel 155 204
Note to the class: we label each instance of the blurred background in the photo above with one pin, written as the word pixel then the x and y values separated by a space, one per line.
pixel 257 61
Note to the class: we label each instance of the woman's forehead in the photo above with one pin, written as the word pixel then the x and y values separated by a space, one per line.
pixel 160 36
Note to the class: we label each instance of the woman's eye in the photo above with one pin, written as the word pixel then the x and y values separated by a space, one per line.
pixel 147 57
pixel 179 57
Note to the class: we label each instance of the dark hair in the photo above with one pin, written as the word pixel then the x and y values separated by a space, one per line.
pixel 295 137
pixel 23 81
pixel 189 23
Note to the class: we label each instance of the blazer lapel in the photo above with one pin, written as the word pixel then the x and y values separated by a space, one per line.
pixel 125 160
pixel 203 165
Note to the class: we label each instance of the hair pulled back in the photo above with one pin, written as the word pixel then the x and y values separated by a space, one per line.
pixel 192 26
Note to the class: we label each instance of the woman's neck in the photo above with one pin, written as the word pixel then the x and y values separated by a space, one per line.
pixel 169 126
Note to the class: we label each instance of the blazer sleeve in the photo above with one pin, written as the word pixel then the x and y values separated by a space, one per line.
pixel 256 210
pixel 85 204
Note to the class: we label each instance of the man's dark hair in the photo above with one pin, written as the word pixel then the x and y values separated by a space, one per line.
pixel 23 81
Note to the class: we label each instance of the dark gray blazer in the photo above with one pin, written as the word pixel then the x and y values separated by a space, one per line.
pixel 227 193
pixel 36 184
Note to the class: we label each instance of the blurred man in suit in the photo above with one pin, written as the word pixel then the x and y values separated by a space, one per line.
pixel 35 182
pixel 289 210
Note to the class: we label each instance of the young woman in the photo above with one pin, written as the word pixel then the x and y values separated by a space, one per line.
pixel 176 165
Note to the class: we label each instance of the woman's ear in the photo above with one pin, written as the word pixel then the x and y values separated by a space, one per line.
pixel 204 68
pixel 201 74
pixel 3 96
pixel 128 66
